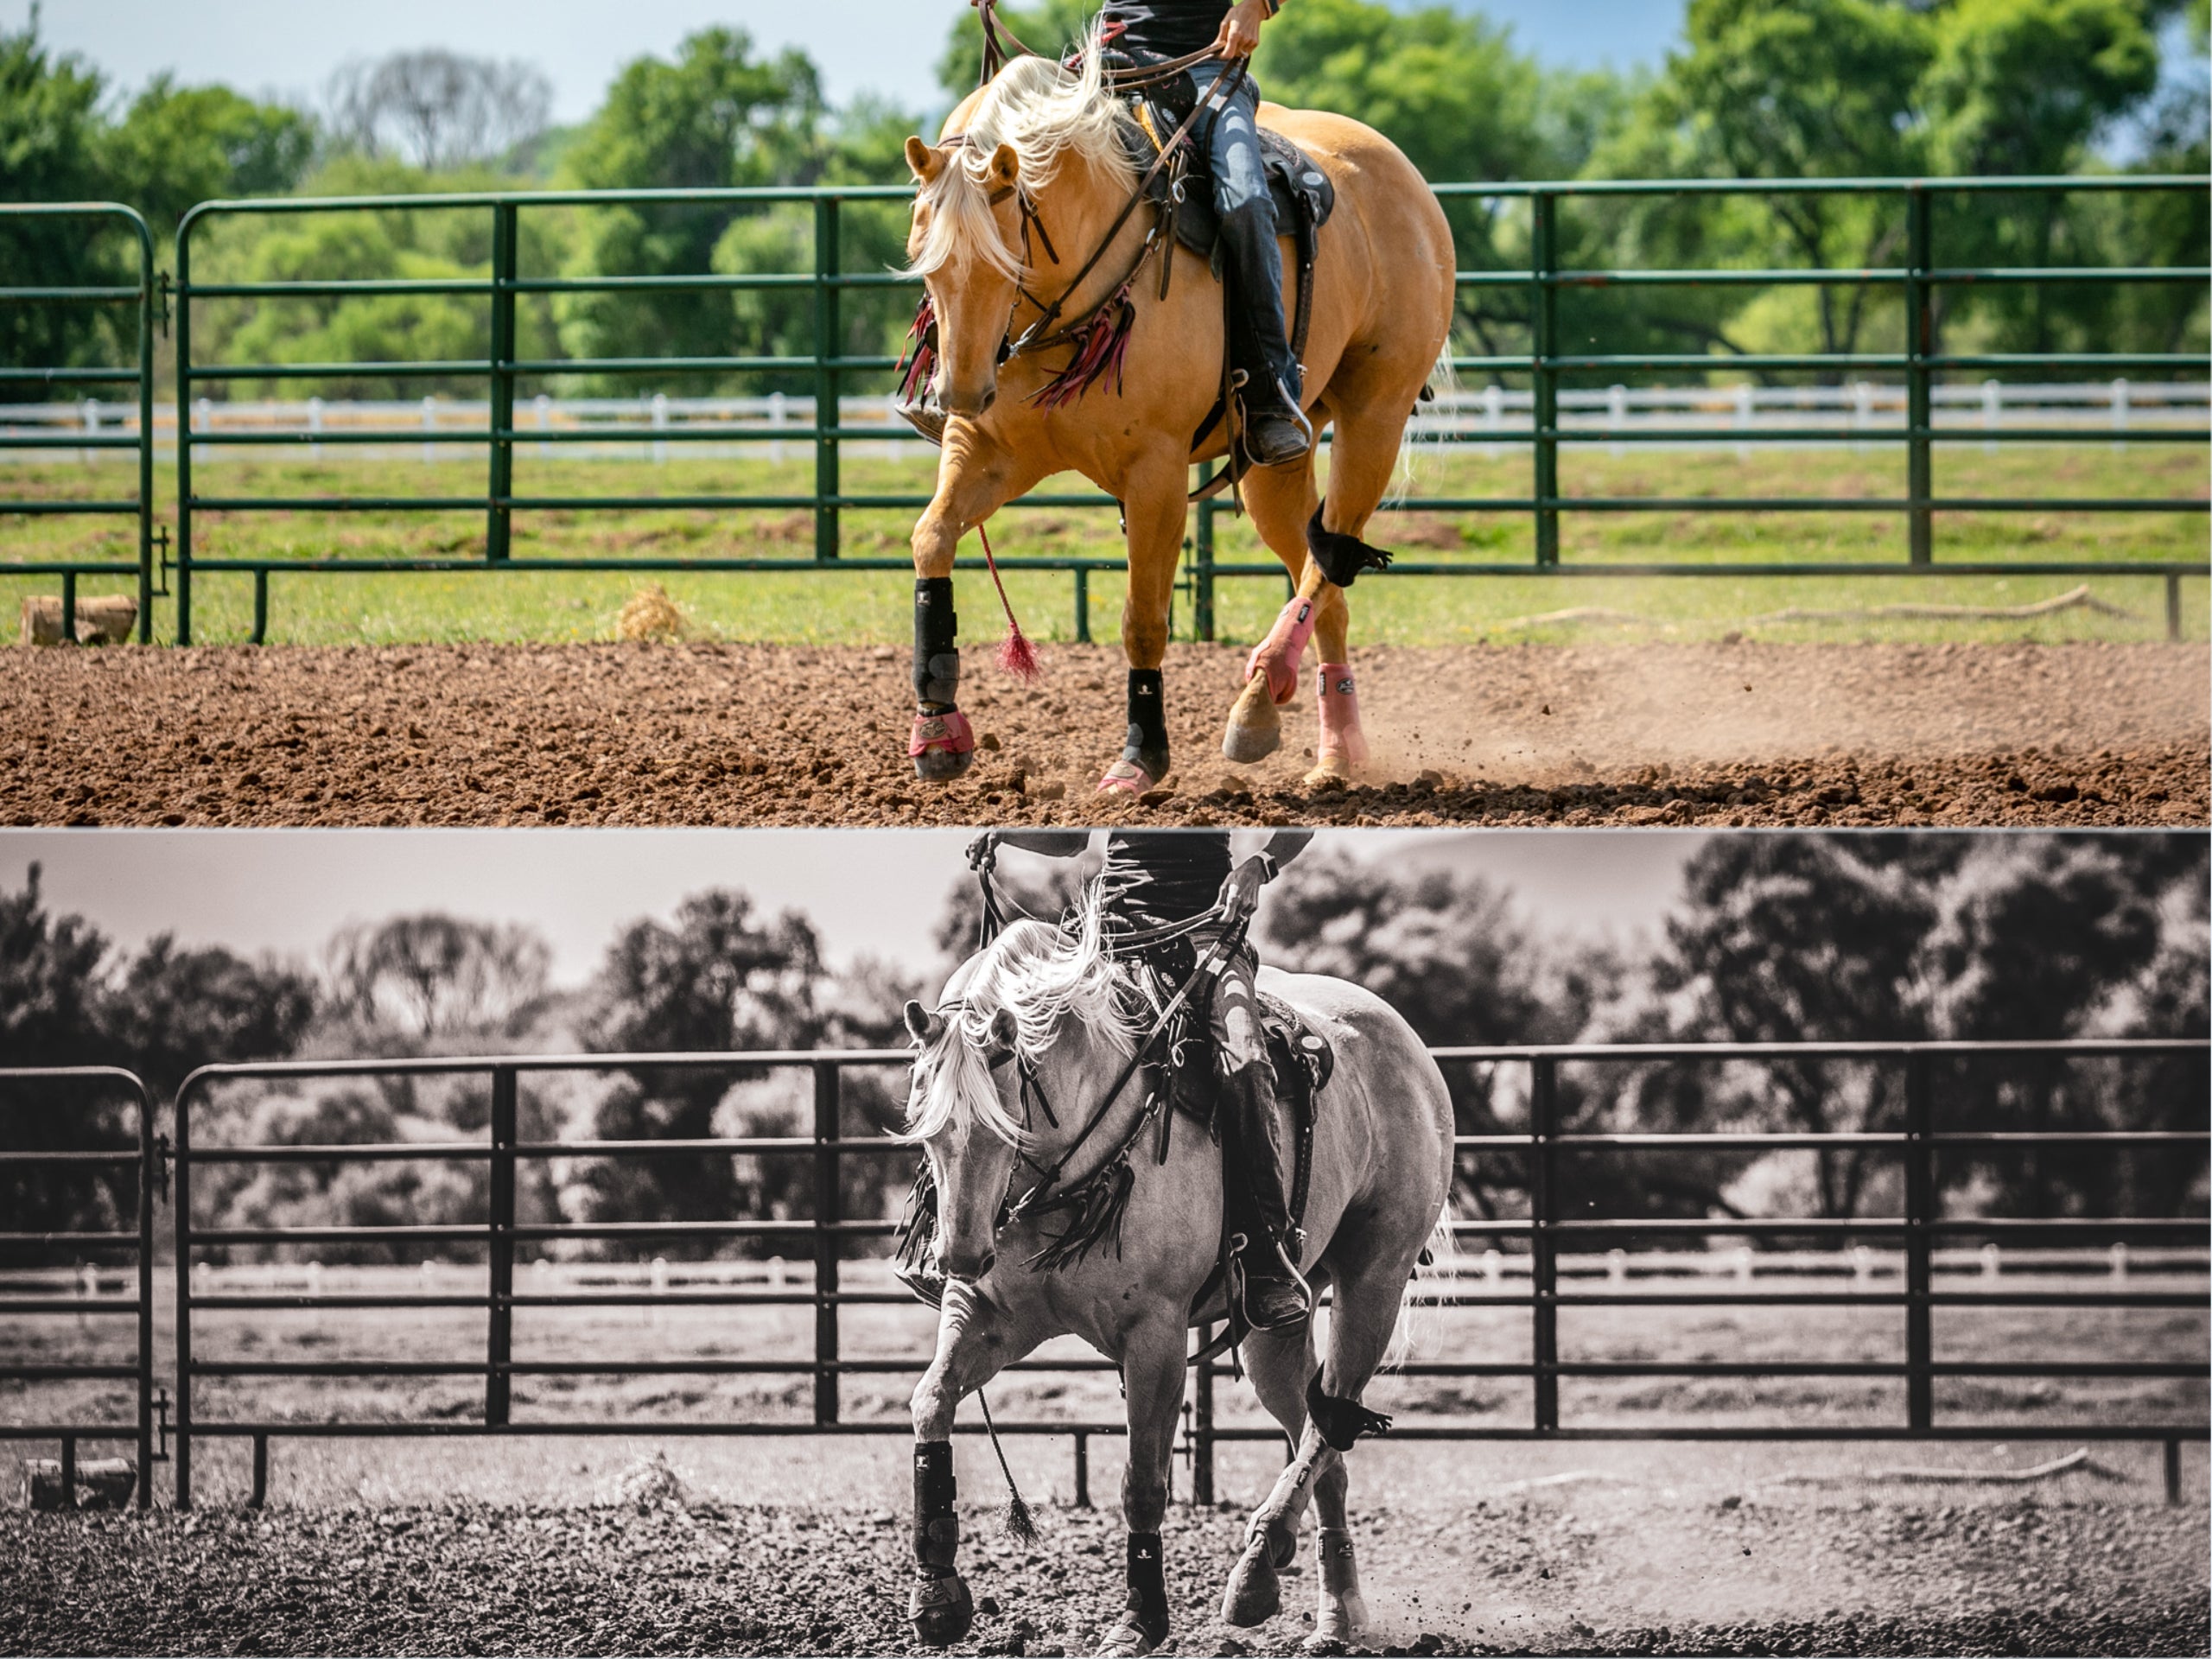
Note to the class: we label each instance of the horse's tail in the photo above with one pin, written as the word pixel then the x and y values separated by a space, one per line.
pixel 1418 1308
pixel 1441 387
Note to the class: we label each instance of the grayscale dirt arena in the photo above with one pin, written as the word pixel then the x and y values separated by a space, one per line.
pixel 1582 1550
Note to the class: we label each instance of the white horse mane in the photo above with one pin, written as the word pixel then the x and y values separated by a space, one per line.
pixel 1045 112
pixel 1043 976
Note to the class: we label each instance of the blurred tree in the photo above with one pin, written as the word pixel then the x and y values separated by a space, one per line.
pixel 716 118
pixel 436 976
pixel 176 146
pixel 439 109
pixel 722 977
pixel 171 1011
pixel 66 1001
pixel 50 151
pixel 1791 938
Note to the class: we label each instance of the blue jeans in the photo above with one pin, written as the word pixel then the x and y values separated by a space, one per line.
pixel 1249 231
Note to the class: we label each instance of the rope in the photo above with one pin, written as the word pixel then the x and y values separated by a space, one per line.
pixel 1016 655
pixel 1018 1522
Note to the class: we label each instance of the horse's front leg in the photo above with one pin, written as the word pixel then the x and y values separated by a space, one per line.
pixel 977 475
pixel 972 1346
pixel 1154 506
pixel 1152 1373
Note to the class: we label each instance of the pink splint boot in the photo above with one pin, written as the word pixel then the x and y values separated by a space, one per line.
pixel 1279 652
pixel 1343 745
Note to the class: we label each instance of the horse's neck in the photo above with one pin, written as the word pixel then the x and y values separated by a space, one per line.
pixel 1077 212
pixel 1074 1077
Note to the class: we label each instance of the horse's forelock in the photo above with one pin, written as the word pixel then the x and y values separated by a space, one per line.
pixel 1045 112
pixel 1044 977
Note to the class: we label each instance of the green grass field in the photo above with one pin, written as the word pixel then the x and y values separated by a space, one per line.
pixel 810 606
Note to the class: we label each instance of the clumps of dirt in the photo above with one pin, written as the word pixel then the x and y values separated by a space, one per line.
pixel 706 734
pixel 649 614
pixel 1454 1576
pixel 650 1483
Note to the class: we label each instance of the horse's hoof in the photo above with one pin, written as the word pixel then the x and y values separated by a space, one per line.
pixel 1331 770
pixel 1126 1641
pixel 1246 744
pixel 1342 1622
pixel 942 747
pixel 940 1608
pixel 1254 1593
pixel 941 766
pixel 1126 778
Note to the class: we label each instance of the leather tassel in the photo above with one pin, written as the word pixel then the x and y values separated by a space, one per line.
pixel 919 361
pixel 1102 349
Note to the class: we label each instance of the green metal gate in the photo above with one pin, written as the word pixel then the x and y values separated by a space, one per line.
pixel 1918 278
pixel 140 296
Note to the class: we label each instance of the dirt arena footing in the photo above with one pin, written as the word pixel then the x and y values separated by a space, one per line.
pixel 722 734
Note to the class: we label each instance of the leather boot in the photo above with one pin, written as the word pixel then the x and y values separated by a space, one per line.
pixel 1276 1295
pixel 1276 431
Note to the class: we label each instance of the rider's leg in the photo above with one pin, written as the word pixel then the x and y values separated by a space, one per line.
pixel 1275 431
pixel 1275 1295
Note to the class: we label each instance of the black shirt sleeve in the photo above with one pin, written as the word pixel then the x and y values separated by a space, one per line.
pixel 1172 29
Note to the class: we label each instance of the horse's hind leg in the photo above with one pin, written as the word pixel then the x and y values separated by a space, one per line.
pixel 1281 499
pixel 1364 1311
pixel 1279 1363
pixel 1362 460
pixel 1342 1611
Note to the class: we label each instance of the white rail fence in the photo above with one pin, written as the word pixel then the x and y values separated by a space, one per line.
pixel 1488 418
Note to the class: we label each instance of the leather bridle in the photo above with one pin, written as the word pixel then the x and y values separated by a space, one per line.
pixel 1041 335
pixel 1042 1193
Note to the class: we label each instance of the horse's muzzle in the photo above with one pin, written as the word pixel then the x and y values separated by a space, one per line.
pixel 970 404
pixel 966 1270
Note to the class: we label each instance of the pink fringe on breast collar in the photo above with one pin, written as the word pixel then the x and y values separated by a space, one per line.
pixel 1102 345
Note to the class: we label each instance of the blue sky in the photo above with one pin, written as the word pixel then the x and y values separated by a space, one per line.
pixel 290 46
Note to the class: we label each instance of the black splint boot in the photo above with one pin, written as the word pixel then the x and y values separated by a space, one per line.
pixel 1276 1295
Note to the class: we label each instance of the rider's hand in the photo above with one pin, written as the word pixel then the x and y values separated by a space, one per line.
pixel 983 849
pixel 1240 895
pixel 1240 30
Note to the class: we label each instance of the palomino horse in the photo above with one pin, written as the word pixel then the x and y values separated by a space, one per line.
pixel 1027 182
pixel 1048 1020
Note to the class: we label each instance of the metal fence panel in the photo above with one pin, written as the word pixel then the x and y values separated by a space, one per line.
pixel 147 1159
pixel 1546 365
pixel 140 297
pixel 826 1229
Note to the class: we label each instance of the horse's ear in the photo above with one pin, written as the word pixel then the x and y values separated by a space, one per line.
pixel 1006 1031
pixel 919 1023
pixel 925 162
pixel 1004 170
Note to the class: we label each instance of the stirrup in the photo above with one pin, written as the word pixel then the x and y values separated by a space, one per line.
pixel 1240 1283
pixel 1286 409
